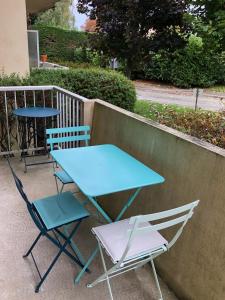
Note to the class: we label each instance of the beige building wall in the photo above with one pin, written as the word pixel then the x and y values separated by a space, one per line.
pixel 14 56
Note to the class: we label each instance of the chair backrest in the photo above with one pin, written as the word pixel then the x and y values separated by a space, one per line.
pixel 67 136
pixel 19 186
pixel 179 215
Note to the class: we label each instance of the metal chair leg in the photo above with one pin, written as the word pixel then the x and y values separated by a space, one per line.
pixel 56 183
pixel 57 186
pixel 107 277
pixel 62 187
pixel 74 246
pixel 104 276
pixel 32 246
pixel 25 164
pixel 156 279
pixel 62 250
pixel 48 271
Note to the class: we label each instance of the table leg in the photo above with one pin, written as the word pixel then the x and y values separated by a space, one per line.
pixel 109 220
pixel 102 212
pixel 25 137
pixel 129 202
pixel 78 277
pixel 30 131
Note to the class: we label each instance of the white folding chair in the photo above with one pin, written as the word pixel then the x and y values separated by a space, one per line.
pixel 133 242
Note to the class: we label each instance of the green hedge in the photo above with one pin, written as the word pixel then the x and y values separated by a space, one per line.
pixel 186 70
pixel 110 86
pixel 60 44
pixel 190 67
pixel 200 69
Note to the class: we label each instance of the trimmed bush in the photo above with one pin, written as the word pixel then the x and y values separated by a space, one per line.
pixel 197 69
pixel 60 44
pixel 75 65
pixel 110 86
pixel 192 66
pixel 158 67
pixel 185 69
pixel 11 80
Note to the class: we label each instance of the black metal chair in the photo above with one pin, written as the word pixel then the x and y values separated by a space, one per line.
pixel 49 214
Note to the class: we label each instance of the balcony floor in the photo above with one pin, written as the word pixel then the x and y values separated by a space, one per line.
pixel 18 276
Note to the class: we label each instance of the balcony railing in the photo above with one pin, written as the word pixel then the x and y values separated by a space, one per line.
pixel 70 105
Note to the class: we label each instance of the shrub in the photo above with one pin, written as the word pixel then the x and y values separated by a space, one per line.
pixel 192 66
pixel 91 83
pixel 87 55
pixel 158 66
pixel 196 69
pixel 110 86
pixel 206 125
pixel 60 44
pixel 74 64
pixel 81 55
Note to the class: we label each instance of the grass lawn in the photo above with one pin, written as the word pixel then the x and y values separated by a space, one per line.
pixel 218 88
pixel 206 125
pixel 152 110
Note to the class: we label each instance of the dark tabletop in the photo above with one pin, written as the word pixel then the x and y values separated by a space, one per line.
pixel 36 112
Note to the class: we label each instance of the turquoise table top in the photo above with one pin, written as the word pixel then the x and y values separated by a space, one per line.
pixel 36 112
pixel 104 169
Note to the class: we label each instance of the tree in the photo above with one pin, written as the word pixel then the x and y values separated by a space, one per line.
pixel 129 29
pixel 208 18
pixel 59 16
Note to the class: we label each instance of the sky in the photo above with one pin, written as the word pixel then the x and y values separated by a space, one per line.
pixel 79 18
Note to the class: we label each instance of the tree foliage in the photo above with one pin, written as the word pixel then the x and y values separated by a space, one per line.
pixel 129 29
pixel 188 67
pixel 208 18
pixel 59 16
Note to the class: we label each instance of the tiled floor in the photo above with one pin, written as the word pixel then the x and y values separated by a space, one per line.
pixel 18 276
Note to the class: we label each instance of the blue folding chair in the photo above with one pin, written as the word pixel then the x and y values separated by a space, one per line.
pixel 67 137
pixel 49 215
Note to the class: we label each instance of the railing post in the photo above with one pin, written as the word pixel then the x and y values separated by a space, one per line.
pixel 88 112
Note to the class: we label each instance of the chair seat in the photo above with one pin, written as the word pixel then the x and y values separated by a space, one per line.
pixel 114 239
pixel 56 210
pixel 63 177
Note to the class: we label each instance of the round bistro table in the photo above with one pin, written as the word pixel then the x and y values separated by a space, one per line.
pixel 32 123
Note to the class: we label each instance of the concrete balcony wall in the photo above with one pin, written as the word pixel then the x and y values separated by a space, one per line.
pixel 13 37
pixel 194 268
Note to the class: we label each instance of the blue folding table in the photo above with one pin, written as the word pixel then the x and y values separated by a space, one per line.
pixel 102 170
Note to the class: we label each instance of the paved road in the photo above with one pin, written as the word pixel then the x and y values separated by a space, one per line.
pixel 170 95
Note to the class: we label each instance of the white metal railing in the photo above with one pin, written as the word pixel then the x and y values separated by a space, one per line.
pixel 70 105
